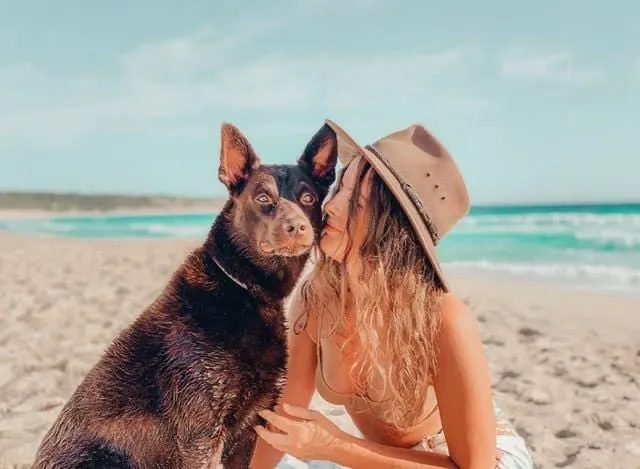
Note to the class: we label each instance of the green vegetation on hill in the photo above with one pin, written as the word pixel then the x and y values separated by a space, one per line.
pixel 49 201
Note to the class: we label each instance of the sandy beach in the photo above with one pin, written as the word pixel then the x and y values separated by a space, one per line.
pixel 565 364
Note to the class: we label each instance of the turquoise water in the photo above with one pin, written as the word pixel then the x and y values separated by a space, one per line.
pixel 590 246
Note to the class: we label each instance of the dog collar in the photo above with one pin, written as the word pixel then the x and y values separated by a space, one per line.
pixel 243 285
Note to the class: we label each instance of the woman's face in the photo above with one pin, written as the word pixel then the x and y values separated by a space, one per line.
pixel 334 236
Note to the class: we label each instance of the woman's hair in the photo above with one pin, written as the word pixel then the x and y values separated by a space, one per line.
pixel 396 305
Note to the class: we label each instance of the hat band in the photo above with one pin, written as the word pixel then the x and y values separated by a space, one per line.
pixel 411 193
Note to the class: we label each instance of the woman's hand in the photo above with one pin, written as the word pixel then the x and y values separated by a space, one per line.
pixel 309 435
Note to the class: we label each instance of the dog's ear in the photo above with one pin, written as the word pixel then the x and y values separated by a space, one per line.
pixel 237 158
pixel 320 156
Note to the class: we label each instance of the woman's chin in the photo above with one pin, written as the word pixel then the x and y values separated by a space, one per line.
pixel 331 248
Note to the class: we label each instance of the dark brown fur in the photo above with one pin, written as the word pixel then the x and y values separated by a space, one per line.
pixel 183 384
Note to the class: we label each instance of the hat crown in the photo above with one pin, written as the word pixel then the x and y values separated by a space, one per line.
pixel 426 169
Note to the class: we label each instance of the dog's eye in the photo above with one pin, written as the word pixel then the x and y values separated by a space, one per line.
pixel 263 199
pixel 307 198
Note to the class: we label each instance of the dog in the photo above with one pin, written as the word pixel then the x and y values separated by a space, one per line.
pixel 182 386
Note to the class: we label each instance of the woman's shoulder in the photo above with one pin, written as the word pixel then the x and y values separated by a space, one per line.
pixel 455 312
pixel 453 303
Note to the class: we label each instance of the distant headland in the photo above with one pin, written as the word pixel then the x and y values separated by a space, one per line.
pixel 81 202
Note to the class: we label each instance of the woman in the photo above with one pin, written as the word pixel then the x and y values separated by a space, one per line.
pixel 383 334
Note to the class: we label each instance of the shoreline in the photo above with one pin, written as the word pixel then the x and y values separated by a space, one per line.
pixel 550 283
pixel 459 274
pixel 577 284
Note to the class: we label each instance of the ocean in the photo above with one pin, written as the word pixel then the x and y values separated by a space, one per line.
pixel 583 246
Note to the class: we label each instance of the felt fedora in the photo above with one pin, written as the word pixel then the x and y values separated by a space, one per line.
pixel 422 176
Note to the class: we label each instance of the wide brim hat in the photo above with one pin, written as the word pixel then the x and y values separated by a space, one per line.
pixel 423 177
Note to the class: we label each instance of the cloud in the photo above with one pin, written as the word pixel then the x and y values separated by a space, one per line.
pixel 199 51
pixel 204 71
pixel 335 81
pixel 558 67
pixel 154 81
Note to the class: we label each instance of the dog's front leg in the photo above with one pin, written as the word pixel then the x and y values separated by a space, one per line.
pixel 238 450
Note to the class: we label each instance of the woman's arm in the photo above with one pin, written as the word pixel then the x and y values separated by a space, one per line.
pixel 299 386
pixel 356 452
pixel 463 389
pixel 309 435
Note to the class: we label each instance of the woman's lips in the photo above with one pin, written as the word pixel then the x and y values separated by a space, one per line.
pixel 331 227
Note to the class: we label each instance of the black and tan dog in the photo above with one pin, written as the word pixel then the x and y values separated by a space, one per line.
pixel 181 387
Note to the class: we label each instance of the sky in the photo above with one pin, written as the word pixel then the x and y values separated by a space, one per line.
pixel 536 101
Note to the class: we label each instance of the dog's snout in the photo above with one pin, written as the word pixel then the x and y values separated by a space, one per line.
pixel 297 227
pixel 292 232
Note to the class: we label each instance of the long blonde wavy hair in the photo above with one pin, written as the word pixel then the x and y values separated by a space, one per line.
pixel 396 305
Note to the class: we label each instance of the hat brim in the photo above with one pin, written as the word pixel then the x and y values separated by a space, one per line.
pixel 348 148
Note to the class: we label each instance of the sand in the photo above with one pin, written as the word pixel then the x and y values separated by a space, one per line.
pixel 565 364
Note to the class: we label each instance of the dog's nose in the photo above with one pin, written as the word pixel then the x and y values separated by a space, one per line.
pixel 295 228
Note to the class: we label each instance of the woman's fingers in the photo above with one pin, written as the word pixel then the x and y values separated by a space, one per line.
pixel 299 412
pixel 278 421
pixel 277 440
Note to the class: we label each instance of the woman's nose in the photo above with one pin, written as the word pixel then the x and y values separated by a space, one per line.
pixel 331 208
